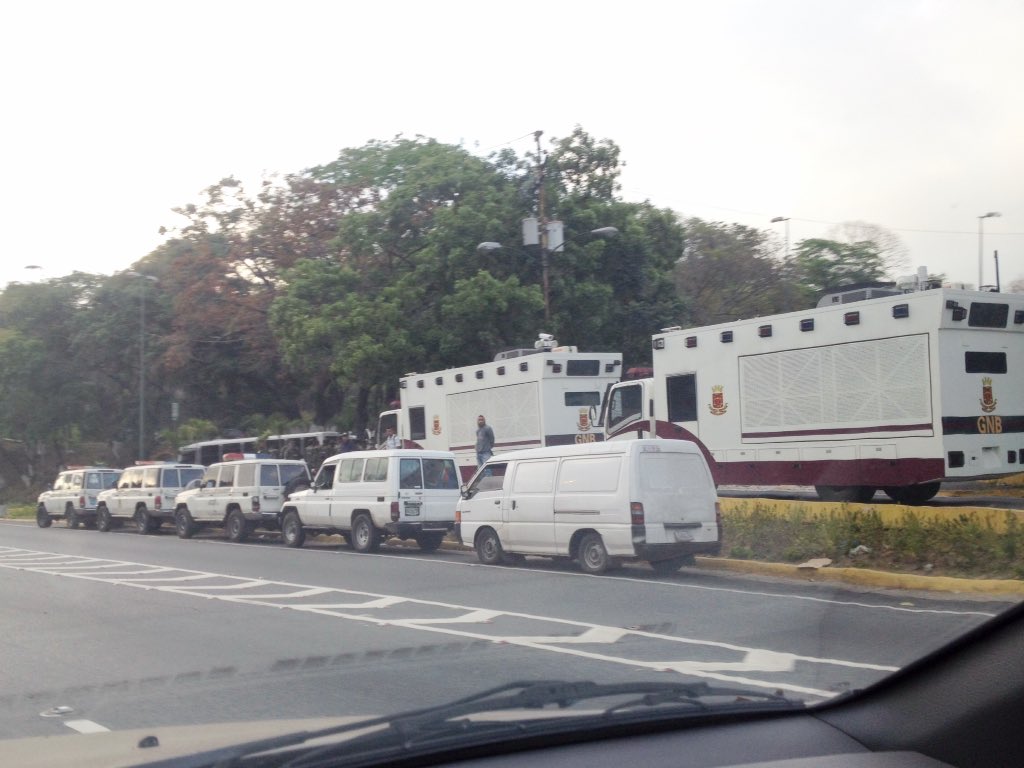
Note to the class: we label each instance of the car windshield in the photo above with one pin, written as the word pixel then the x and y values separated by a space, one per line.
pixel 543 347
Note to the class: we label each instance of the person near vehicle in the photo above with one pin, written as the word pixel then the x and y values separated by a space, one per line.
pixel 390 439
pixel 484 440
pixel 347 444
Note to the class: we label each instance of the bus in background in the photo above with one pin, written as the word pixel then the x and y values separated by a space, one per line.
pixel 296 445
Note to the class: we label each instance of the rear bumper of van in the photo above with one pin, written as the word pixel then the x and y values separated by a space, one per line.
pixel 667 551
pixel 409 530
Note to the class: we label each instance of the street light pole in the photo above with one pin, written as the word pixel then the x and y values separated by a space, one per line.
pixel 981 247
pixel 776 220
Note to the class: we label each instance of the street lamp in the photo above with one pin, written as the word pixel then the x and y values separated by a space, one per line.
pixel 490 246
pixel 142 357
pixel 776 220
pixel 981 250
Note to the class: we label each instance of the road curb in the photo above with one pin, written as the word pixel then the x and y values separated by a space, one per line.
pixel 866 577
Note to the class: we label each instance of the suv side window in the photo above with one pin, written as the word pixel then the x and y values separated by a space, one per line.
pixel 227 477
pixel 126 480
pixel 151 477
pixel 246 475
pixel 210 477
pixel 93 481
pixel 291 471
pixel 76 481
pixel 351 471
pixel 409 474
pixel 325 477
pixel 440 473
pixel 376 470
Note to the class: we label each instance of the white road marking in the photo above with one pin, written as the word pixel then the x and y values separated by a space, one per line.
pixel 750 659
pixel 85 726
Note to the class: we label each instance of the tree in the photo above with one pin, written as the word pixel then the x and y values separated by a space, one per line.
pixel 727 272
pixel 891 249
pixel 819 265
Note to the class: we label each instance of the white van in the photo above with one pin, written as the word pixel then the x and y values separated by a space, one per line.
pixel 651 500
pixel 368 495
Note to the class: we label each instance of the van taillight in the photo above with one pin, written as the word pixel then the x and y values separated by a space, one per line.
pixel 256 503
pixel 157 503
pixel 81 502
pixel 636 513
pixel 395 512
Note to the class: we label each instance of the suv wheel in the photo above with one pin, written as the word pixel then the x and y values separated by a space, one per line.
pixel 43 519
pixel 429 542
pixel 103 520
pixel 143 524
pixel 291 530
pixel 184 524
pixel 71 517
pixel 237 527
pixel 365 537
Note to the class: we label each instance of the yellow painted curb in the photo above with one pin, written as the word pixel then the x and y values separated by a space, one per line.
pixel 866 577
pixel 889 514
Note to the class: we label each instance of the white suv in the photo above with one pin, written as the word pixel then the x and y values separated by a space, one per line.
pixel 73 496
pixel 238 495
pixel 145 494
pixel 369 495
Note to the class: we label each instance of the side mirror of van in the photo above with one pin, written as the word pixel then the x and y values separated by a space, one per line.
pixel 465 492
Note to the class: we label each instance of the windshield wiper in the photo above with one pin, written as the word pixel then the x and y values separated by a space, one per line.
pixel 447 724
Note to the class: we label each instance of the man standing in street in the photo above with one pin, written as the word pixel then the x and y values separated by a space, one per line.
pixel 484 440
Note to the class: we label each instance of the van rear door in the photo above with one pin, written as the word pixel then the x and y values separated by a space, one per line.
pixel 677 493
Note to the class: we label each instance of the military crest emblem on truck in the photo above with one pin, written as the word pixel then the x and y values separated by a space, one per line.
pixel 988 400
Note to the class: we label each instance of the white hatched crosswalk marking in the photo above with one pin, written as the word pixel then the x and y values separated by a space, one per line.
pixel 733 663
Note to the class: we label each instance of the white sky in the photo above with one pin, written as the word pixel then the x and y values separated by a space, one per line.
pixel 905 114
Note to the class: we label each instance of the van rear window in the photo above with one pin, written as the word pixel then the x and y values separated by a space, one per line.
pixel 671 472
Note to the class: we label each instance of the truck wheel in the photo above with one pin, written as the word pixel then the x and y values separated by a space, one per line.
pixel 913 495
pixel 860 494
pixel 237 527
pixel 184 524
pixel 593 557
pixel 364 535
pixel 103 521
pixel 43 520
pixel 292 531
pixel 429 542
pixel 71 517
pixel 671 565
pixel 488 547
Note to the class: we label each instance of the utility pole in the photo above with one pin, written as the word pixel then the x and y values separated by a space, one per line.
pixel 541 163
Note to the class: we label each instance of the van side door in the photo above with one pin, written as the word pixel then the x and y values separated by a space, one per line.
pixel 530 507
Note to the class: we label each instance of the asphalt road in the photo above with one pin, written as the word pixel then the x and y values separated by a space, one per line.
pixel 132 631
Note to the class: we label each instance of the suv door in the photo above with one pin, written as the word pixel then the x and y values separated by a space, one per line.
pixel 440 489
pixel 316 507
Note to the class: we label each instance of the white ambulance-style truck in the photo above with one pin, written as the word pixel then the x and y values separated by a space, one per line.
pixel 549 395
pixel 895 393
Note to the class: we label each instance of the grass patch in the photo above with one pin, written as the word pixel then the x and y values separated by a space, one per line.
pixel 956 544
pixel 21 511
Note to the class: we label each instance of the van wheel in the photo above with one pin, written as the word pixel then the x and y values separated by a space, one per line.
pixel 364 536
pixel 103 520
pixel 43 519
pixel 184 524
pixel 488 547
pixel 237 527
pixel 429 542
pixel 671 565
pixel 593 557
pixel 71 517
pixel 292 531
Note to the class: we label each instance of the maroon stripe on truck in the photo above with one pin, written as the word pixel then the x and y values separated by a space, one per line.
pixel 873 472
pixel 840 431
